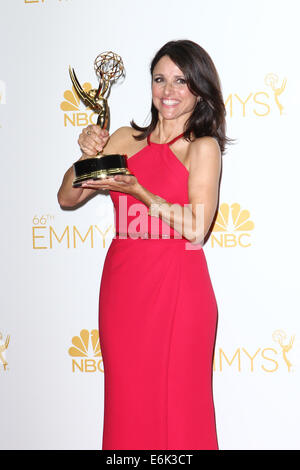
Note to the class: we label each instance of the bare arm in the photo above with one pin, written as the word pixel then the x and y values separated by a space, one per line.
pixel 67 195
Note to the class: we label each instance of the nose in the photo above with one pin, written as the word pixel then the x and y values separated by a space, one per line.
pixel 168 88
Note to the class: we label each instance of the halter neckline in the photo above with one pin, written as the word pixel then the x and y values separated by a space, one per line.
pixel 167 143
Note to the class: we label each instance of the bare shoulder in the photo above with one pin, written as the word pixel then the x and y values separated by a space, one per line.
pixel 123 131
pixel 122 134
pixel 205 158
pixel 121 140
pixel 205 146
pixel 204 151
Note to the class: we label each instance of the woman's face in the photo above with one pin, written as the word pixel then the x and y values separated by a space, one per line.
pixel 170 93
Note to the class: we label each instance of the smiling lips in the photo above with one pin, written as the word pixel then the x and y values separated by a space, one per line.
pixel 169 102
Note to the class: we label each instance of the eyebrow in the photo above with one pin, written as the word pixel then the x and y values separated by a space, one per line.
pixel 161 74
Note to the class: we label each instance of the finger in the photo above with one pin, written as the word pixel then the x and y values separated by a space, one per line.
pixel 98 182
pixel 97 139
pixel 123 178
pixel 99 135
pixel 94 185
pixel 85 139
pixel 89 142
pixel 94 129
pixel 89 148
pixel 87 130
pixel 104 132
pixel 90 139
pixel 94 147
pixel 93 141
pixel 100 142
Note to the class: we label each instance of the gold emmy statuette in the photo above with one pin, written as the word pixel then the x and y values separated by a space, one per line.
pixel 109 68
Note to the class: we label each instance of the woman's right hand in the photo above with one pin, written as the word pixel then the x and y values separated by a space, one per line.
pixel 92 140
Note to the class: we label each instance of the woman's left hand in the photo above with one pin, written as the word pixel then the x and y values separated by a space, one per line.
pixel 123 183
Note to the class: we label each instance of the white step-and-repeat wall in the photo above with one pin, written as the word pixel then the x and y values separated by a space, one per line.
pixel 51 372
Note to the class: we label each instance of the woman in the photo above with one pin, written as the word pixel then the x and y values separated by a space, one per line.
pixel 157 308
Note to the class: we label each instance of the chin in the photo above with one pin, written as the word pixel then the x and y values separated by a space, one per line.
pixel 169 116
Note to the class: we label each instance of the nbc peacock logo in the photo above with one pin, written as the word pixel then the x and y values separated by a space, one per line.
pixel 75 113
pixel 232 227
pixel 86 350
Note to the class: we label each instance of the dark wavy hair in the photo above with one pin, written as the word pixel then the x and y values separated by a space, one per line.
pixel 208 117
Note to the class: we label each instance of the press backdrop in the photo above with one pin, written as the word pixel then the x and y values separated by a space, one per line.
pixel 51 372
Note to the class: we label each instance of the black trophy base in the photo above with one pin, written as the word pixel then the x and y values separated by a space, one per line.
pixel 99 168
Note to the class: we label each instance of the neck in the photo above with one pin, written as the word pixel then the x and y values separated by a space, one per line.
pixel 166 130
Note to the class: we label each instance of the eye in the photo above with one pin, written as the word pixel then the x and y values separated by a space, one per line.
pixel 158 79
pixel 181 81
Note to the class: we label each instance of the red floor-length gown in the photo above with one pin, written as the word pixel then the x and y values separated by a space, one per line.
pixel 157 324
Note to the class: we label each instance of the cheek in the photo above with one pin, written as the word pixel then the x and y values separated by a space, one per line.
pixel 190 99
pixel 156 91
pixel 187 95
